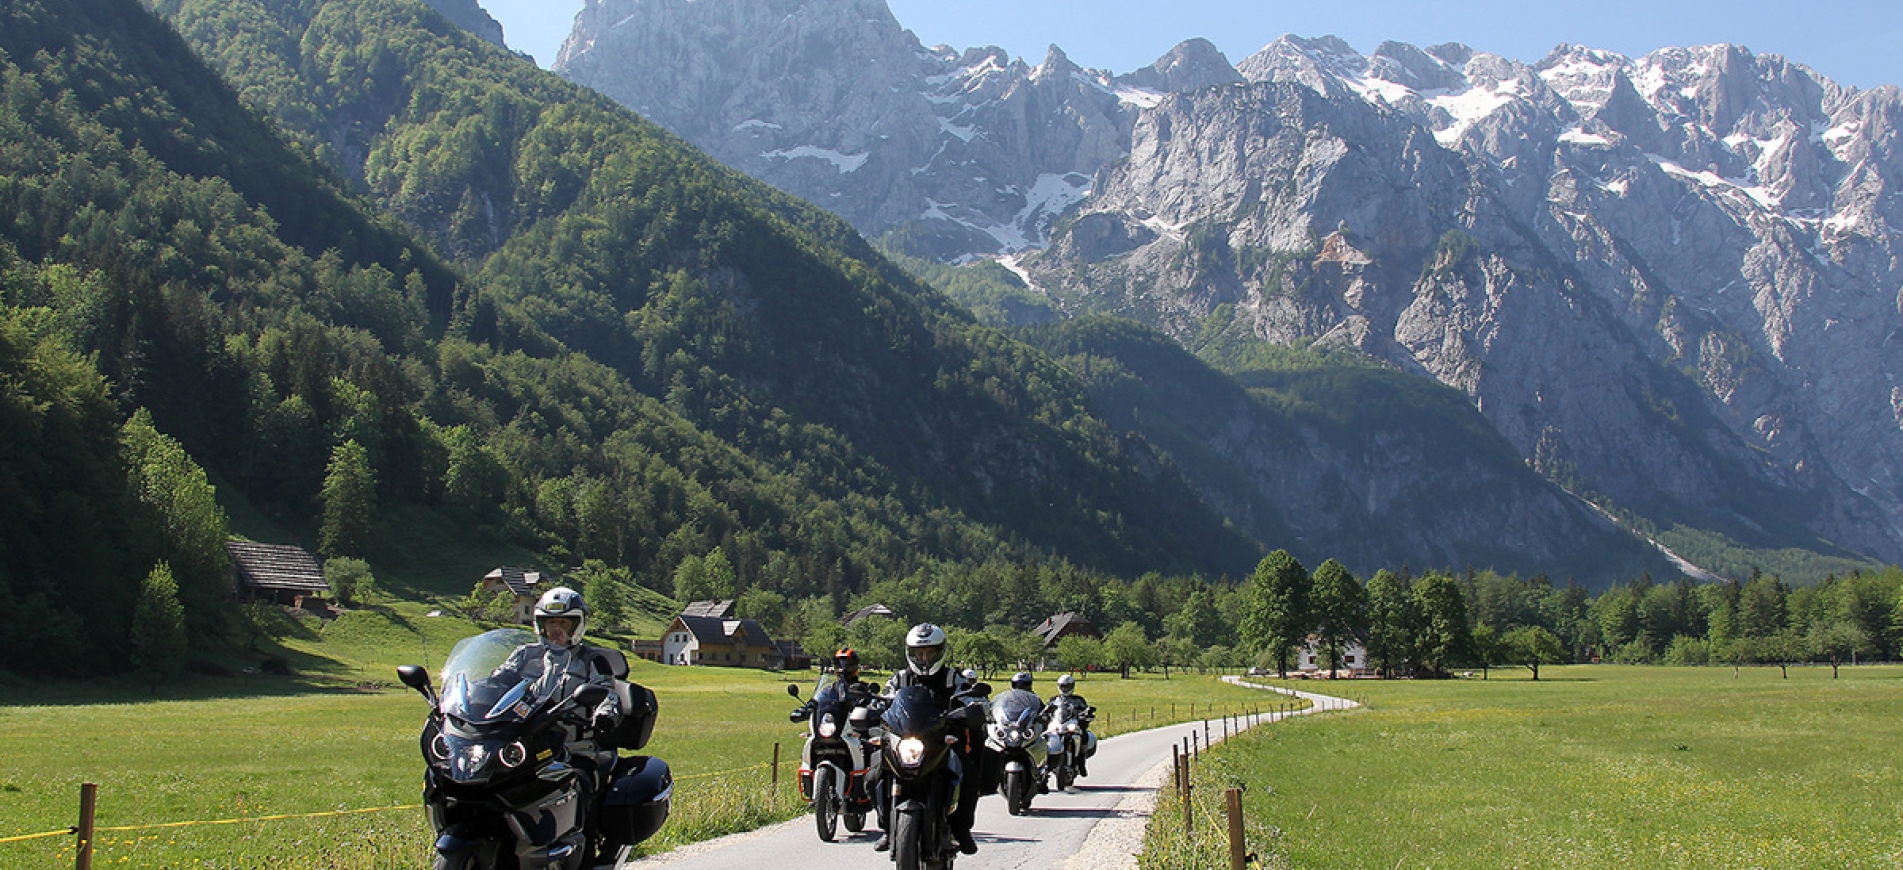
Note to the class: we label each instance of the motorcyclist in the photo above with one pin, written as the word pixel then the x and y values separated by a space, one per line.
pixel 1067 696
pixel 925 653
pixel 559 664
pixel 846 666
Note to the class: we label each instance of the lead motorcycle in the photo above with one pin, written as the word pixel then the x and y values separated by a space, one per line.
pixel 1015 736
pixel 499 786
pixel 924 772
pixel 838 774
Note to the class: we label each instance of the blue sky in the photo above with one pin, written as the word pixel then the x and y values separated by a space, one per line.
pixel 1856 42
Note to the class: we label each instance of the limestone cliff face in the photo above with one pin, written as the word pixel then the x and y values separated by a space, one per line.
pixel 833 101
pixel 1671 283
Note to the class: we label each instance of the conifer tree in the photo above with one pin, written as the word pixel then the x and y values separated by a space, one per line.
pixel 158 627
pixel 350 497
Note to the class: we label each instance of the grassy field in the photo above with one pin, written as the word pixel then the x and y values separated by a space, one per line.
pixel 1592 766
pixel 340 736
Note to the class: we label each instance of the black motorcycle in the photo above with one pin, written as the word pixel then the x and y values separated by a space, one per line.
pixel 924 774
pixel 838 771
pixel 498 783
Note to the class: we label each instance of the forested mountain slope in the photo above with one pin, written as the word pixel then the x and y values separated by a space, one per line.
pixel 633 354
pixel 1341 459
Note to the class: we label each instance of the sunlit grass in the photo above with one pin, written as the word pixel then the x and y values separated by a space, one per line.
pixel 1593 766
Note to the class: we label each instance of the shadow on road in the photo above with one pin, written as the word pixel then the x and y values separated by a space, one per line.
pixel 1108 789
pixel 982 837
pixel 1075 812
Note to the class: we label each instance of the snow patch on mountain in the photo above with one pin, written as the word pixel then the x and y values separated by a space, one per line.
pixel 843 162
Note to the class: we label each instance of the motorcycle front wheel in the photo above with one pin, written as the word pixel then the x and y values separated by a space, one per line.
pixel 1014 793
pixel 825 804
pixel 905 841
pixel 855 822
pixel 444 862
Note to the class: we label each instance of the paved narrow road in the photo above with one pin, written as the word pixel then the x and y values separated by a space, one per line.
pixel 1099 825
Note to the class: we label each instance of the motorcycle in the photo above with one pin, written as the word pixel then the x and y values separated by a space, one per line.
pixel 1021 746
pixel 499 786
pixel 924 774
pixel 838 775
pixel 1069 739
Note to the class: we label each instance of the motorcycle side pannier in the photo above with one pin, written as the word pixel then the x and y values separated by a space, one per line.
pixel 637 800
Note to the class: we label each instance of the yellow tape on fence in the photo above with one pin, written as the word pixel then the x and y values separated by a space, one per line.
pixel 273 818
pixel 67 832
pixel 723 772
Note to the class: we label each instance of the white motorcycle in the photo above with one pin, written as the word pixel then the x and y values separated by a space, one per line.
pixel 1022 747
pixel 1069 739
pixel 838 776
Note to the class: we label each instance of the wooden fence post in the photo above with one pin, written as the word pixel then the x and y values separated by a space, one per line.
pixel 776 767
pixel 1238 853
pixel 88 801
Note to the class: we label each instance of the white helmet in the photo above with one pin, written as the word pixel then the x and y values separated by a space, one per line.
pixel 1066 683
pixel 925 649
pixel 562 603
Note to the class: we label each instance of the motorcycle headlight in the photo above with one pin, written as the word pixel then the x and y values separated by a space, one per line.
pixel 827 727
pixel 475 755
pixel 513 755
pixel 1070 728
pixel 911 751
pixel 439 748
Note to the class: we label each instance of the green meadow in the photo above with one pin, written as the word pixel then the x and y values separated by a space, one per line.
pixel 1593 766
pixel 341 736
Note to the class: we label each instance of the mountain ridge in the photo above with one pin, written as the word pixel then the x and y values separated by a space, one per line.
pixel 1717 224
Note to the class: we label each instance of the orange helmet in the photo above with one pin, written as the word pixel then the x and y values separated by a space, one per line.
pixel 846 663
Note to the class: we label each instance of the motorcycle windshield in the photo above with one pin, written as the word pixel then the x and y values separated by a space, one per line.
pixel 477 685
pixel 1016 707
pixel 829 692
pixel 913 711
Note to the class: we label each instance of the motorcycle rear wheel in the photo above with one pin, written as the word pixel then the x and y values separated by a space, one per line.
pixel 1065 778
pixel 825 804
pixel 855 822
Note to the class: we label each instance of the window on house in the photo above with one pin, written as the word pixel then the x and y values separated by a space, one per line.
pixel 1347 660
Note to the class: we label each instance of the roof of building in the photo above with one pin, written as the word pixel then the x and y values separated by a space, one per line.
pixel 867 611
pixel 1067 623
pixel 719 608
pixel 707 629
pixel 521 581
pixel 276 566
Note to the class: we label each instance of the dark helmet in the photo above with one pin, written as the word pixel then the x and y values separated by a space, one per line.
pixel 846 663
pixel 1021 680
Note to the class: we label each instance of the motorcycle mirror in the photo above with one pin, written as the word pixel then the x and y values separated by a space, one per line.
pixel 590 695
pixel 981 689
pixel 793 690
pixel 413 676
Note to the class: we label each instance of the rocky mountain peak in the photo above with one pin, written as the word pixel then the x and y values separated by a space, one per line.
pixel 470 16
pixel 1190 66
